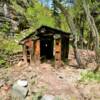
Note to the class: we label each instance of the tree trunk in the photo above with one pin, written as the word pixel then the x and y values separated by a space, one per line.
pixel 73 29
pixel 95 33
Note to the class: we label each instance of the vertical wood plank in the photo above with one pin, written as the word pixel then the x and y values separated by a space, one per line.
pixel 57 53
pixel 37 51
pixel 24 54
pixel 67 47
pixel 31 54
pixel 64 47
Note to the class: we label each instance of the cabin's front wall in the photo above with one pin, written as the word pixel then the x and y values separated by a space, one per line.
pixel 61 49
pixel 64 47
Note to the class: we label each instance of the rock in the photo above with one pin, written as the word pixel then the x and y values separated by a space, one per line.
pixel 6 87
pixel 2 82
pixel 61 77
pixel 19 91
pixel 22 83
pixel 21 63
pixel 48 97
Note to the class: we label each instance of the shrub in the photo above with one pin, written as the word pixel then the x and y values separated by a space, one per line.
pixel 90 76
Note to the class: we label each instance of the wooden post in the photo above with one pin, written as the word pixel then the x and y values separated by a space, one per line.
pixel 24 54
pixel 64 47
pixel 31 55
pixel 67 47
pixel 57 53
pixel 37 51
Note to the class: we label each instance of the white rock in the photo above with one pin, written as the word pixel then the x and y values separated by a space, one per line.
pixel 22 83
pixel 19 91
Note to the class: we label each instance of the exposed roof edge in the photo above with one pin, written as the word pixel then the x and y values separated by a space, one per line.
pixel 21 42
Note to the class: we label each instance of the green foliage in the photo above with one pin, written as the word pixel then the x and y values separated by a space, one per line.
pixel 90 76
pixel 17 7
pixel 5 27
pixel 8 46
pixel 38 95
pixel 12 46
pixel 3 57
pixel 30 11
pixel 58 98
pixel 2 61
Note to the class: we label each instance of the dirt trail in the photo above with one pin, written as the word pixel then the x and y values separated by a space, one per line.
pixel 63 82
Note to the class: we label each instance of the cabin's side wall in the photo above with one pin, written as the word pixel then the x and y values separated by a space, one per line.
pixel 67 46
pixel 64 47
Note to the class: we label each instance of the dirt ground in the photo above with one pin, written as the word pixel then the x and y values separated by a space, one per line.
pixel 63 82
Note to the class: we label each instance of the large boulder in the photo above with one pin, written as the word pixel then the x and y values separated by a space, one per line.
pixel 19 89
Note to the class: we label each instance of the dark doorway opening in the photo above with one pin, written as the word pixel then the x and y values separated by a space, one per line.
pixel 46 47
pixel 28 54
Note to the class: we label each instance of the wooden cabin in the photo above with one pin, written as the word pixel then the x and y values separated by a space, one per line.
pixel 44 44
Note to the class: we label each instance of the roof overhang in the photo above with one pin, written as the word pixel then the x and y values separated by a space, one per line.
pixel 42 30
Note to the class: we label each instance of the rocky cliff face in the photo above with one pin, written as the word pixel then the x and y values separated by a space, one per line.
pixel 10 19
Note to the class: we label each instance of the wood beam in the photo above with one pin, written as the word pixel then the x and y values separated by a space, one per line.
pixel 24 54
pixel 57 53
pixel 37 51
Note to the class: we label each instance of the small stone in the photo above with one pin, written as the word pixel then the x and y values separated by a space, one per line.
pixel 60 77
pixel 6 87
pixel 2 82
pixel 48 97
